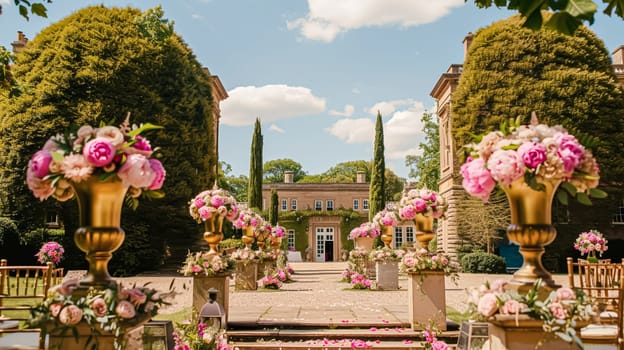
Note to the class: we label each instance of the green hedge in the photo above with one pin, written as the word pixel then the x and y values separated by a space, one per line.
pixel 481 262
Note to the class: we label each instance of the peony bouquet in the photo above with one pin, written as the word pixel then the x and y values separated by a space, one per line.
pixel 278 231
pixel 50 252
pixel 420 260
pixel 247 218
pixel 386 255
pixel 213 202
pixel 590 243
pixel 359 281
pixel 424 202
pixel 108 152
pixel 560 310
pixel 367 229
pixel 205 264
pixel 535 153
pixel 386 218
pixel 270 282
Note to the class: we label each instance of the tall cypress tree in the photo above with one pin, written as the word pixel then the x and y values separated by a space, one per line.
pixel 377 199
pixel 273 209
pixel 254 188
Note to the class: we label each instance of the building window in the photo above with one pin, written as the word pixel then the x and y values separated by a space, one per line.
pixel 365 204
pixel 284 204
pixel 52 220
pixel 409 234
pixel 356 204
pixel 398 237
pixel 318 204
pixel 618 217
pixel 293 204
pixel 329 205
pixel 291 239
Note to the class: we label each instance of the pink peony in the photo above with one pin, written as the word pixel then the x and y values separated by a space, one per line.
pixel 558 311
pixel 505 166
pixel 99 307
pixel 136 172
pixel 488 305
pixel 40 188
pixel 112 133
pixel 159 172
pixel 70 315
pixel 99 152
pixel 125 309
pixel 55 309
pixel 136 296
pixel 142 144
pixel 439 345
pixel 420 205
pixel 532 154
pixel 512 307
pixel 565 293
pixel 39 164
pixel 477 179
pixel 570 150
pixel 407 213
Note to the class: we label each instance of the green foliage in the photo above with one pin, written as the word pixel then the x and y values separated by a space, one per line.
pixel 152 24
pixel 345 172
pixel 481 262
pixel 37 237
pixel 274 170
pixel 237 185
pixel 568 80
pixel 8 231
pixel 97 66
pixel 274 208
pixel 378 183
pixel 425 168
pixel 254 188
pixel 36 8
pixel 231 243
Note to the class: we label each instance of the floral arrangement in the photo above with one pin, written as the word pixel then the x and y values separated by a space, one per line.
pixel 248 218
pixel 244 255
pixel 213 202
pixel 270 282
pixel 284 275
pixel 386 255
pixel 420 260
pixel 278 231
pixel 50 252
pixel 533 152
pixel 424 202
pixel 358 258
pixel 590 243
pixel 107 152
pixel 358 281
pixel 367 229
pixel 110 310
pixel 267 255
pixel 198 336
pixel 386 218
pixel 560 311
pixel 203 263
pixel 346 275
pixel 431 339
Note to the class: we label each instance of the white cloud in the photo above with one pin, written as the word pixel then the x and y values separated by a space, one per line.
pixel 348 111
pixel 402 131
pixel 269 103
pixel 4 2
pixel 355 91
pixel 197 16
pixel 276 128
pixel 328 18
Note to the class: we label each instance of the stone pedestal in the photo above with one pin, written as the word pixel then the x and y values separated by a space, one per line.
pixel 86 339
pixel 427 299
pixel 505 334
pixel 370 270
pixel 246 276
pixel 365 243
pixel 266 267
pixel 387 275
pixel 220 282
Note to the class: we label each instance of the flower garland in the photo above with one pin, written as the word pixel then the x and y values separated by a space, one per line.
pixel 50 252
pixel 386 218
pixel 197 336
pixel 270 282
pixel 358 281
pixel 560 311
pixel 244 256
pixel 424 202
pixel 213 202
pixel 367 229
pixel 386 255
pixel 591 242
pixel 107 152
pixel 110 310
pixel 420 261
pixel 203 263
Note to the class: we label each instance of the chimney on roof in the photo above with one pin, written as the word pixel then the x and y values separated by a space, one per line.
pixel 618 55
pixel 467 41
pixel 289 176
pixel 360 177
pixel 20 43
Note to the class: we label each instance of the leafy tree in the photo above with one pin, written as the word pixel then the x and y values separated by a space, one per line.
pixel 274 208
pixel 394 185
pixel 254 188
pixel 511 71
pixel 274 170
pixel 94 67
pixel 236 185
pixel 568 14
pixel 425 168
pixel 378 183
pixel 36 8
pixel 345 172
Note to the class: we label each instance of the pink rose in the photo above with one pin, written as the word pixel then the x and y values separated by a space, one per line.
pixel 136 172
pixel 136 296
pixel 125 309
pixel 565 293
pixel 407 212
pixel 558 311
pixel 427 195
pixel 420 205
pixel 532 154
pixel 205 213
pixel 477 179
pixel 199 202
pixel 142 144
pixel 99 152
pixel 216 201
pixel 196 268
pixel 439 345
pixel 488 305
pixel 159 172
pixel 70 315
pixel 512 307
pixel 40 188
pixel 99 307
pixel 39 164
pixel 55 309
pixel 506 166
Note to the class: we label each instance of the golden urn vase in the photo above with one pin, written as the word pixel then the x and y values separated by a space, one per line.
pixel 261 240
pixel 386 235
pixel 424 229
pixel 531 228
pixel 248 236
pixel 213 232
pixel 99 234
pixel 276 242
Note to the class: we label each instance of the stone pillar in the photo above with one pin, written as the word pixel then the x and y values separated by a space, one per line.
pixel 506 335
pixel 387 275
pixel 220 282
pixel 246 276
pixel 427 299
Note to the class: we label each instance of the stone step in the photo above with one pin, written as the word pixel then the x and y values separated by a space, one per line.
pixel 329 344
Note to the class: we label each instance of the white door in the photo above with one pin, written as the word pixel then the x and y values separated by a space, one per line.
pixel 324 244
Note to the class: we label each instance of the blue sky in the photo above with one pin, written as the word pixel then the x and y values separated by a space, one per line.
pixel 315 72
